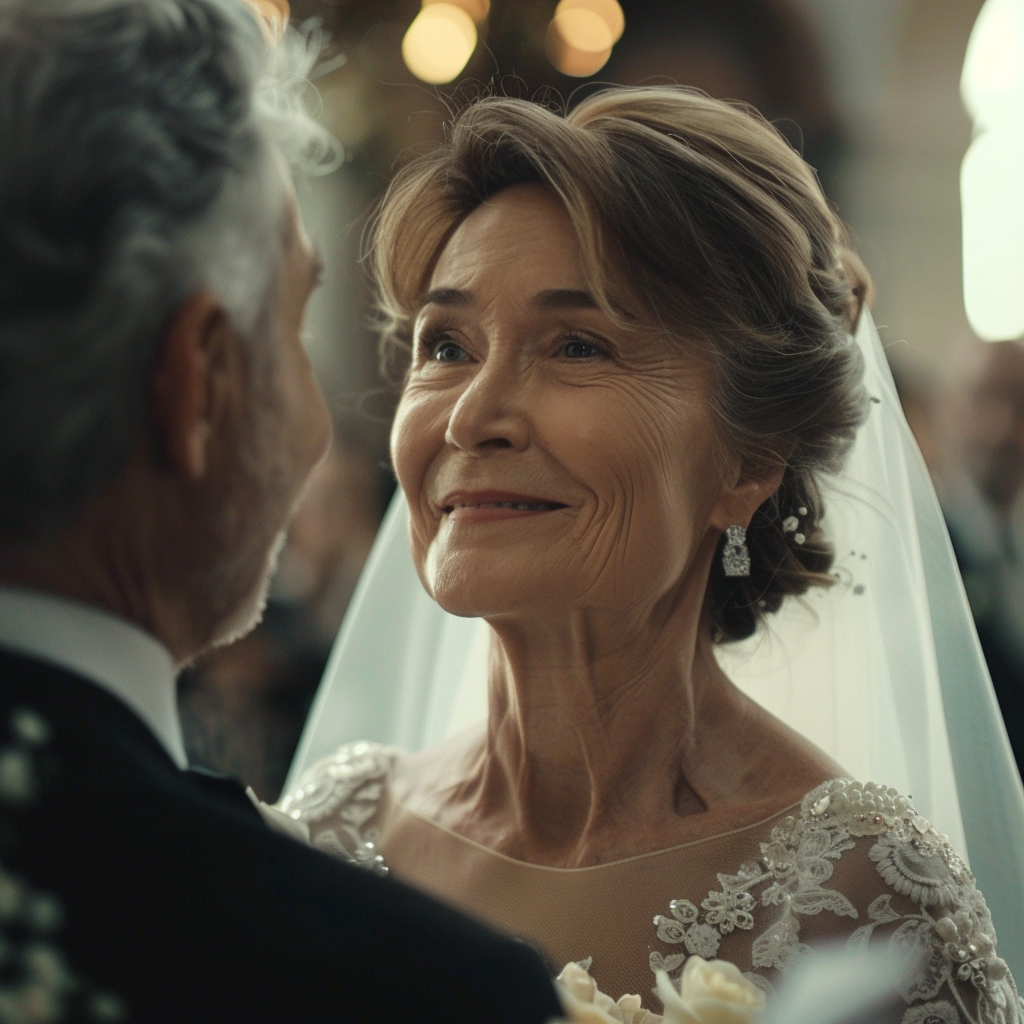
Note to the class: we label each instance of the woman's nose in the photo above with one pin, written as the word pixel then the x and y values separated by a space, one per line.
pixel 491 413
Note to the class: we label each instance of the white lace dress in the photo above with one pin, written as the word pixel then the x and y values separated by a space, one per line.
pixel 850 861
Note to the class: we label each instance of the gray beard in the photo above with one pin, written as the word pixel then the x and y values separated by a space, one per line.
pixel 249 612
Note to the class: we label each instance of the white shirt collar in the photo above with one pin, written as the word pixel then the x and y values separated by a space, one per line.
pixel 109 651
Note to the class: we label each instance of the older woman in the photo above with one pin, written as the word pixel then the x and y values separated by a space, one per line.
pixel 625 343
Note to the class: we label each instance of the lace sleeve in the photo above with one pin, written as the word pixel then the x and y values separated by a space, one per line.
pixel 859 864
pixel 928 909
pixel 341 800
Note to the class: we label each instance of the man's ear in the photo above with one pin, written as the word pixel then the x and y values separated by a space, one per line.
pixel 196 372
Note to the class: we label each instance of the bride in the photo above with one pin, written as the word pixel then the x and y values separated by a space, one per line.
pixel 626 344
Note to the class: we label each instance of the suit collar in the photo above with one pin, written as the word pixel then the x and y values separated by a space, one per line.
pixel 108 651
pixel 103 738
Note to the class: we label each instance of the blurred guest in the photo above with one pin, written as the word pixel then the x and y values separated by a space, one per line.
pixel 916 389
pixel 980 486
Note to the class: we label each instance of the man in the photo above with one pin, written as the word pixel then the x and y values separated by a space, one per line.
pixel 982 492
pixel 158 420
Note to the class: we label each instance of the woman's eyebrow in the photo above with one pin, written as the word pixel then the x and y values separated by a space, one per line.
pixel 446 297
pixel 550 298
pixel 564 298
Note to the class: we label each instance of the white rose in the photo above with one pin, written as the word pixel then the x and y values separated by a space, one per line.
pixel 710 992
pixel 585 1003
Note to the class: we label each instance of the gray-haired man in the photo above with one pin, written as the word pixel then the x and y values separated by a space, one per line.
pixel 158 420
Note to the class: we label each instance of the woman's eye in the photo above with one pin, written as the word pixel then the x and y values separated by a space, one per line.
pixel 448 352
pixel 576 349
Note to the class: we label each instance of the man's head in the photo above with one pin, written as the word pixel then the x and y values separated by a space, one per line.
pixel 155 399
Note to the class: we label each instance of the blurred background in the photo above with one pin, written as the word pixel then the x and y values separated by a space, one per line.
pixel 868 91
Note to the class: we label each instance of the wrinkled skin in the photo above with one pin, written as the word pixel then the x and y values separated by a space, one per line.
pixel 561 405
pixel 612 731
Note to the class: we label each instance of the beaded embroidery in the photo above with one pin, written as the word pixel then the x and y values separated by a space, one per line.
pixel 950 931
pixel 350 782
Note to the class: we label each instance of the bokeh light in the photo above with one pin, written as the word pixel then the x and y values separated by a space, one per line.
pixel 439 43
pixel 476 9
pixel 581 35
pixel 583 30
pixel 608 11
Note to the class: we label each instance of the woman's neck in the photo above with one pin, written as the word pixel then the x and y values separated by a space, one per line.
pixel 610 734
pixel 600 729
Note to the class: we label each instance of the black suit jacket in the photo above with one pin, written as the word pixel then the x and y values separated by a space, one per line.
pixel 178 904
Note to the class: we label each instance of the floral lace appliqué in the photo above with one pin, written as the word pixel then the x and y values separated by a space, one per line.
pixel 349 785
pixel 949 934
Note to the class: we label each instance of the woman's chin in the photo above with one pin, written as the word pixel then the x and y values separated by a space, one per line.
pixel 479 600
pixel 479 584
pixel 480 606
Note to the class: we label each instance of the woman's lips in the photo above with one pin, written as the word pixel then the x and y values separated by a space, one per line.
pixel 490 506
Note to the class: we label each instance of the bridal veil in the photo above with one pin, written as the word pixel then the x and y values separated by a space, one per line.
pixel 883 671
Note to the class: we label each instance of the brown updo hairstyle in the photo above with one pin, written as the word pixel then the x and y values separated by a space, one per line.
pixel 702 220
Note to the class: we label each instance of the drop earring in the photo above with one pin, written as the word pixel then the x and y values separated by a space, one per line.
pixel 736 556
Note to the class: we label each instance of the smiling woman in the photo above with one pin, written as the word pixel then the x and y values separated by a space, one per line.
pixel 624 338
pixel 524 394
pixel 697 221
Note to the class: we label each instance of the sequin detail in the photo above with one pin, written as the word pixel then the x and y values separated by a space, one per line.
pixel 347 785
pixel 948 932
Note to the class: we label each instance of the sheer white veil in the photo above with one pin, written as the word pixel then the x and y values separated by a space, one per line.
pixel 883 671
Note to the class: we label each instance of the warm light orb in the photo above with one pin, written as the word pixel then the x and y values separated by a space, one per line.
pixel 584 30
pixel 578 43
pixel 439 43
pixel 608 11
pixel 581 35
pixel 476 9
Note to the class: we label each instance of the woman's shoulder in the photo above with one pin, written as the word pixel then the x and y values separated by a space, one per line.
pixel 925 904
pixel 884 845
pixel 355 772
pixel 859 864
pixel 342 797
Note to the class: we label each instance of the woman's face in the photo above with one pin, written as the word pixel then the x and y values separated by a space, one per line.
pixel 551 459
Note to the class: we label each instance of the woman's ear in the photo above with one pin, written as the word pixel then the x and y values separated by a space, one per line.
pixel 197 375
pixel 740 499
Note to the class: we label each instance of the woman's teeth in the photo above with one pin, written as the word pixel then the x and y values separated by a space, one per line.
pixel 522 506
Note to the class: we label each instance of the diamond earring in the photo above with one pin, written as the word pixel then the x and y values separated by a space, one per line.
pixel 736 556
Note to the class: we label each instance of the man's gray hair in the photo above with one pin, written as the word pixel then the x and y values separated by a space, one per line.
pixel 138 143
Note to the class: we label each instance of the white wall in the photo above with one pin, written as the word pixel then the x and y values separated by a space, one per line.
pixel 896 70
